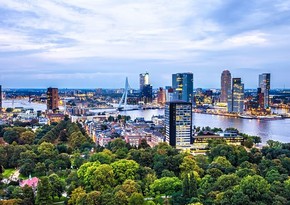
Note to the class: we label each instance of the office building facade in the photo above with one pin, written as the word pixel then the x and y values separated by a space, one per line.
pixel 144 80
pixel 182 83
pixel 1 98
pixel 178 123
pixel 145 88
pixel 236 97
pixel 146 94
pixel 161 96
pixel 52 98
pixel 264 84
pixel 226 84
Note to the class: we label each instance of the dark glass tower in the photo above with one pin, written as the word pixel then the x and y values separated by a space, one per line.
pixel 178 123
pixel 182 83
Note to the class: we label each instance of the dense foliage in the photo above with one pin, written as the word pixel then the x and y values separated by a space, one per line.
pixel 62 156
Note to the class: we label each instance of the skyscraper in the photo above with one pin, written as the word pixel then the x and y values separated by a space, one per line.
pixel 161 96
pixel 0 98
pixel 145 88
pixel 144 80
pixel 264 84
pixel 236 97
pixel 52 99
pixel 226 79
pixel 169 93
pixel 182 83
pixel 178 123
pixel 146 94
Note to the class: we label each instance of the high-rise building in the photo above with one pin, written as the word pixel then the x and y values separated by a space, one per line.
pixel 146 93
pixel 178 123
pixel 264 84
pixel 145 88
pixel 169 93
pixel 0 98
pixel 260 97
pixel 226 79
pixel 182 83
pixel 236 97
pixel 161 96
pixel 144 80
pixel 52 99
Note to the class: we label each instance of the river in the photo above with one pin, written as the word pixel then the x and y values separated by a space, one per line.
pixel 267 129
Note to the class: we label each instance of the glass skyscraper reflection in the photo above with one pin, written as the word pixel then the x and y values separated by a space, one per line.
pixel 182 83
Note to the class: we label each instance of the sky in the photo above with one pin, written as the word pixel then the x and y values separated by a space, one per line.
pixel 98 43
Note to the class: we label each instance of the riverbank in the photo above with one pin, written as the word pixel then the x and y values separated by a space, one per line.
pixel 234 115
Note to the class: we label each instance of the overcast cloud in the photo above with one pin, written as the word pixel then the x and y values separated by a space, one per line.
pixel 90 44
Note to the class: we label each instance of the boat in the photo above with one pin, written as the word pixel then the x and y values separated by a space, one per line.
pixel 247 116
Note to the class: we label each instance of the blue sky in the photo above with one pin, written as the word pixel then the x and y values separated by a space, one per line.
pixel 92 44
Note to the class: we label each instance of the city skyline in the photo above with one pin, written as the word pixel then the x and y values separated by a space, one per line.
pixel 85 44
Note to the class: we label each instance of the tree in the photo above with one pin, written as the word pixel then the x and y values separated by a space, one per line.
pixel 143 144
pixel 28 195
pixel 166 186
pixel 77 139
pixel 11 136
pixel 222 164
pixel 93 198
pixel 86 172
pixel 274 144
pixel 57 185
pixel 188 165
pixel 27 168
pixel 255 187
pixel 78 197
pixel 63 161
pixel 287 188
pixel 136 199
pixel 105 157
pixel 109 198
pixel 46 151
pixel 103 178
pixel 226 182
pixel 44 192
pixel 40 169
pixel 232 197
pixel 274 175
pixel 129 187
pixel 27 137
pixel 125 169
pixel 189 186
pixel 120 198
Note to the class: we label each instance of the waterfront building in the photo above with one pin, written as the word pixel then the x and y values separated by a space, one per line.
pixel 225 86
pixel 144 80
pixel 145 88
pixel 161 96
pixel 169 93
pixel 52 99
pixel 236 97
pixel 0 98
pixel 146 94
pixel 178 124
pixel 182 83
pixel 260 98
pixel 264 84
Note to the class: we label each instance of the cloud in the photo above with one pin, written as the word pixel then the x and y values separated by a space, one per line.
pixel 56 36
pixel 252 38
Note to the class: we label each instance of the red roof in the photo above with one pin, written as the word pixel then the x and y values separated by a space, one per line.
pixel 33 182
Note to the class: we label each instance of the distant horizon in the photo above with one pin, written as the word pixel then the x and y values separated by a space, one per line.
pixel 154 88
pixel 83 43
